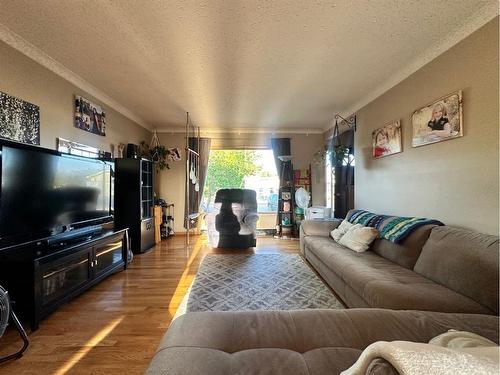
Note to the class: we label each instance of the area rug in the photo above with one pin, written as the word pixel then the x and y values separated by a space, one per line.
pixel 258 282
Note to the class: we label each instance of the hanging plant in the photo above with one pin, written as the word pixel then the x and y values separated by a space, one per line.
pixel 157 154
pixel 340 154
pixel 319 157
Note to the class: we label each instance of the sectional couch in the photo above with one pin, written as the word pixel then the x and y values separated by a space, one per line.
pixel 306 342
pixel 437 268
pixel 451 272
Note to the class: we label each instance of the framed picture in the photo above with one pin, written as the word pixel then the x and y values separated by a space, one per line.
pixel 19 120
pixel 439 121
pixel 173 154
pixel 89 116
pixel 387 140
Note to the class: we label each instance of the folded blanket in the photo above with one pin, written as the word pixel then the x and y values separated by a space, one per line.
pixel 392 228
pixel 410 358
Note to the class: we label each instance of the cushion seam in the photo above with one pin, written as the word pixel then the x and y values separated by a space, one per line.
pixel 259 348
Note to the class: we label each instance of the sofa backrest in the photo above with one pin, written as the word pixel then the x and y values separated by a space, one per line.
pixel 408 251
pixel 405 253
pixel 464 261
pixel 246 197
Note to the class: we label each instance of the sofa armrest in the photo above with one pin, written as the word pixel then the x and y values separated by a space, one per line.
pixel 319 227
pixel 316 228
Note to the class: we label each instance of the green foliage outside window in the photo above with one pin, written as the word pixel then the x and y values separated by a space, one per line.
pixel 228 169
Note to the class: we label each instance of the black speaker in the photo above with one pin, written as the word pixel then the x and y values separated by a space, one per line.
pixel 132 151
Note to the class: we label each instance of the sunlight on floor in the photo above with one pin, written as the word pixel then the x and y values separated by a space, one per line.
pixel 88 346
pixel 186 278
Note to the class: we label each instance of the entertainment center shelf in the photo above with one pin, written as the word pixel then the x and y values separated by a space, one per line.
pixel 58 235
pixel 41 278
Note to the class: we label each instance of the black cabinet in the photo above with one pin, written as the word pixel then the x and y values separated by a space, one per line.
pixel 40 277
pixel 107 254
pixel 56 278
pixel 134 201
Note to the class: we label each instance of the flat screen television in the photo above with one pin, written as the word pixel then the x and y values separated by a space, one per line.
pixel 44 193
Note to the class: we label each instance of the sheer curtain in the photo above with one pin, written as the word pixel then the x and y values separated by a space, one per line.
pixel 193 206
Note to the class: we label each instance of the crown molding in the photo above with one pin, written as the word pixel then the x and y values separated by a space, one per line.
pixel 239 131
pixel 475 22
pixel 22 45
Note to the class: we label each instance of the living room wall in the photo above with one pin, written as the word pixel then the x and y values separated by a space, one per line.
pixel 26 79
pixel 170 183
pixel 455 181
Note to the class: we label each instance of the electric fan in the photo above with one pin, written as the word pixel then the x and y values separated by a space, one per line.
pixel 7 313
pixel 302 198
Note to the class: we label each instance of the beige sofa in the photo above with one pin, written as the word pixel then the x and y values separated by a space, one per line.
pixel 437 268
pixel 307 342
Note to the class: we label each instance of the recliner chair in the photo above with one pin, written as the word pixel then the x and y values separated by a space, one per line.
pixel 233 222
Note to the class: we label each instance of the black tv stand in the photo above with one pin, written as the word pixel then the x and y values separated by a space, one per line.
pixel 42 276
pixel 74 235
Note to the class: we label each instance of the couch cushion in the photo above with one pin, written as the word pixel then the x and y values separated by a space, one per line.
pixel 323 247
pixel 319 227
pixel 295 342
pixel 464 261
pixel 407 252
pixel 384 284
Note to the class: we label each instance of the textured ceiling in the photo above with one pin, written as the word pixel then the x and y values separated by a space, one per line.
pixel 239 64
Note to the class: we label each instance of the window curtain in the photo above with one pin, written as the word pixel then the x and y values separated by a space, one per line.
pixel 281 146
pixel 193 206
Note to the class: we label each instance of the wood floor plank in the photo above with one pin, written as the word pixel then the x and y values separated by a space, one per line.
pixel 116 326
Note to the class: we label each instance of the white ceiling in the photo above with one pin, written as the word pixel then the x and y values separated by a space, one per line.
pixel 238 63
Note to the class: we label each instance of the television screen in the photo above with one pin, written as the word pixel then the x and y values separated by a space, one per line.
pixel 42 194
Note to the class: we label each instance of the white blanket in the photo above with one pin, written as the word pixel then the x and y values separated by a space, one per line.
pixel 410 358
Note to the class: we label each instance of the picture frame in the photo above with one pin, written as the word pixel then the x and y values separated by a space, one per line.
pixel 387 140
pixel 438 121
pixel 19 120
pixel 89 116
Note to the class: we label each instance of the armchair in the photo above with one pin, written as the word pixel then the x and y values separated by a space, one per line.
pixel 233 222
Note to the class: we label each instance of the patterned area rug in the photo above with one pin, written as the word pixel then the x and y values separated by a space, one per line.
pixel 258 282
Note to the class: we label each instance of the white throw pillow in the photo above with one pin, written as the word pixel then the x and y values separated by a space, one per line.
pixel 359 238
pixel 342 229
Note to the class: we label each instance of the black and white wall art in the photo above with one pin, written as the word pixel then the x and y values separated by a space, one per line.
pixel 19 120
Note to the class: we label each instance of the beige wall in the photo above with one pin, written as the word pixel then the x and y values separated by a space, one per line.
pixel 455 181
pixel 171 181
pixel 28 80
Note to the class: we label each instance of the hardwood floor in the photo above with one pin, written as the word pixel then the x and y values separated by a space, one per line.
pixel 115 327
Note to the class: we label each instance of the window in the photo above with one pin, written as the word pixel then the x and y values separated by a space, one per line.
pixel 78 149
pixel 248 169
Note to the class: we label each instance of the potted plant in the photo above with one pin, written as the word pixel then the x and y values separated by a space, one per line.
pixel 340 154
pixel 157 154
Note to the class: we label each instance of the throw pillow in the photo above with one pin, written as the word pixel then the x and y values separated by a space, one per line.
pixel 342 229
pixel 359 238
